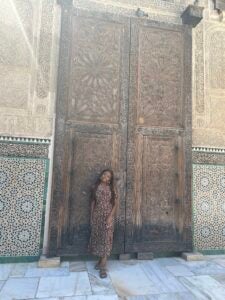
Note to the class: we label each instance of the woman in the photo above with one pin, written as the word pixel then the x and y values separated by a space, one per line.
pixel 104 203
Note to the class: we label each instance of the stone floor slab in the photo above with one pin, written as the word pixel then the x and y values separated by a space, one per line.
pixel 102 297
pixel 98 285
pixel 19 288
pixel 1 284
pixel 131 280
pixel 74 298
pixel 220 262
pixel 169 296
pixel 92 297
pixel 74 284
pixel 5 270
pixel 205 268
pixel 214 257
pixel 204 287
pixel 220 278
pixel 180 270
pixel 19 270
pixel 168 261
pixel 47 298
pixel 162 278
pixel 46 272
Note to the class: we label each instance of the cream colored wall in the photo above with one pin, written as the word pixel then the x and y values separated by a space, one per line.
pixel 209 81
pixel 161 10
pixel 29 39
pixel 29 35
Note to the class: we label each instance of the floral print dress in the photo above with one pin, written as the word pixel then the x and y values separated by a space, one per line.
pixel 101 234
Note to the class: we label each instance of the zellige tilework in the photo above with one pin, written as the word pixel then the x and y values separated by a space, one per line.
pixel 209 206
pixel 22 191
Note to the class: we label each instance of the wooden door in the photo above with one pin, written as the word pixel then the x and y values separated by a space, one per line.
pixel 152 163
pixel 158 206
pixel 91 123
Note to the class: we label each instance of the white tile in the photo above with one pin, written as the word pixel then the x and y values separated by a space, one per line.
pixel 214 257
pixel 154 278
pixel 5 270
pixel 99 285
pixel 116 265
pixel 220 278
pixel 180 270
pixel 168 261
pixel 204 287
pixel 19 270
pixel 19 288
pixel 74 284
pixel 1 284
pixel 46 299
pixel 92 297
pixel 74 298
pixel 221 262
pixel 162 278
pixel 102 297
pixel 205 268
pixel 46 272
pixel 131 280
pixel 167 296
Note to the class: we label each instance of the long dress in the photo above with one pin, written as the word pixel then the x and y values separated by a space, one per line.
pixel 101 239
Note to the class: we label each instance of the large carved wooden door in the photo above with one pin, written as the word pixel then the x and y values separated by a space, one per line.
pixel 151 162
pixel 91 123
pixel 158 202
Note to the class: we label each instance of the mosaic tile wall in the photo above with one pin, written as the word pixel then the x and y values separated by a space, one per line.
pixel 23 182
pixel 209 206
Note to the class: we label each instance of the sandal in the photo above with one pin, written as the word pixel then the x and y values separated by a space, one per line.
pixel 103 273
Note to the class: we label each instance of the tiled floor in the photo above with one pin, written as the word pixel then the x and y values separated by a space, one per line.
pixel 159 279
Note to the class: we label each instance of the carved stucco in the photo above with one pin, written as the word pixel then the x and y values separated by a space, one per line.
pixel 29 32
pixel 209 81
pixel 160 10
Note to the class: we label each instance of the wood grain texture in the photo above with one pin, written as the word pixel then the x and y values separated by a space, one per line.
pixel 91 124
pixel 158 206
pixel 124 101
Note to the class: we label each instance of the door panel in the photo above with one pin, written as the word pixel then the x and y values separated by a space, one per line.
pixel 159 79
pixel 157 163
pixel 94 135
pixel 96 70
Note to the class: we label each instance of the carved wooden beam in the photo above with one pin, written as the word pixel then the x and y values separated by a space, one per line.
pixel 192 15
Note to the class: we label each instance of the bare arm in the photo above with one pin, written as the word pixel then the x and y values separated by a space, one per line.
pixel 92 209
pixel 92 204
pixel 113 211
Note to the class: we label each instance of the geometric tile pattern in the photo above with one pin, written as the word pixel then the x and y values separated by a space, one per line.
pixel 209 207
pixel 24 150
pixel 22 191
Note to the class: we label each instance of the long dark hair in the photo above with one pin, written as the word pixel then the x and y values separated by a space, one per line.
pixel 111 184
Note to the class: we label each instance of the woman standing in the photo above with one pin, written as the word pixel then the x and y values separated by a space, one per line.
pixel 104 203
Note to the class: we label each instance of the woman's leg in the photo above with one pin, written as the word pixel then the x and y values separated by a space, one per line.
pixel 97 265
pixel 103 261
pixel 103 273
